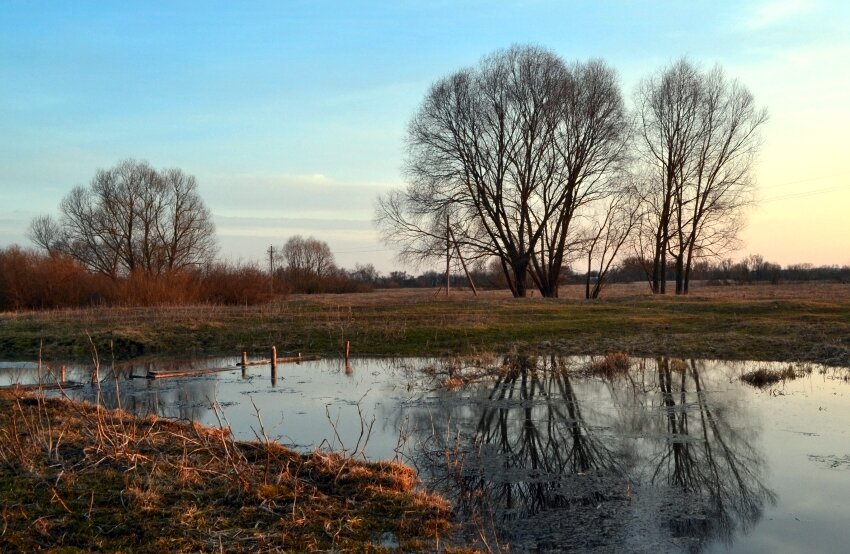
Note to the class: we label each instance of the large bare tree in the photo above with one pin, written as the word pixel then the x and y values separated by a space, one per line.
pixel 700 135
pixel 131 219
pixel 505 154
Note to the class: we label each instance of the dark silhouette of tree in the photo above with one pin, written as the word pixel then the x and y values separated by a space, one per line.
pixel 508 153
pixel 699 135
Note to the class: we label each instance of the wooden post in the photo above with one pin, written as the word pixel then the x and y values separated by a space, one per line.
pixel 274 365
pixel 62 372
pixel 347 350
pixel 244 364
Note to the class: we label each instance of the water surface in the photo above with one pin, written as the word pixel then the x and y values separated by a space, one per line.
pixel 679 455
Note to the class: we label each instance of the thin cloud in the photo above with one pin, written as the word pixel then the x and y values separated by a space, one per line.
pixel 776 12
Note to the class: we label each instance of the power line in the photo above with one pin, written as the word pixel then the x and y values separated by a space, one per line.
pixel 357 251
pixel 809 180
pixel 804 194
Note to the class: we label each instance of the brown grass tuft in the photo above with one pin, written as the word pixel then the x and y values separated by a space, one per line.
pixel 765 377
pixel 610 365
pixel 75 476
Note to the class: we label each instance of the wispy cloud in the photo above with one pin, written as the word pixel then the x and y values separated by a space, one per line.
pixel 776 12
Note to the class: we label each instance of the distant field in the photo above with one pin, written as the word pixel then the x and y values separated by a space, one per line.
pixel 805 322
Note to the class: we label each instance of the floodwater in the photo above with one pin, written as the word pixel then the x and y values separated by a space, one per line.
pixel 680 456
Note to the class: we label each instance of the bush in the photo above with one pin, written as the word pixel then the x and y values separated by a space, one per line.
pixel 30 280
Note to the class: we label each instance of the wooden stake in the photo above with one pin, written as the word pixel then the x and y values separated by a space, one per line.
pixel 347 350
pixel 274 365
pixel 62 371
pixel 244 363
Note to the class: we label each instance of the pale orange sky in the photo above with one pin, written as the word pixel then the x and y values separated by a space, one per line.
pixel 804 168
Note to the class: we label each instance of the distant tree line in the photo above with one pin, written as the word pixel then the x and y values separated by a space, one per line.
pixel 751 269
pixel 537 163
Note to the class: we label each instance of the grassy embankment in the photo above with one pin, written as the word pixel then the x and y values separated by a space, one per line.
pixel 787 322
pixel 75 478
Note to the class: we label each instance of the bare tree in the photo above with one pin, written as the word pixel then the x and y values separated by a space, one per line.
pixel 307 262
pixel 186 231
pixel 700 135
pixel 590 144
pixel 131 219
pixel 609 233
pixel 46 233
pixel 507 152
pixel 668 118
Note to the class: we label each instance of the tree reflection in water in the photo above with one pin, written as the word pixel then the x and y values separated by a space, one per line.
pixel 546 459
pixel 524 452
pixel 715 464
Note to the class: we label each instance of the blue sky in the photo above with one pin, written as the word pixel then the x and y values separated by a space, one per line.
pixel 292 114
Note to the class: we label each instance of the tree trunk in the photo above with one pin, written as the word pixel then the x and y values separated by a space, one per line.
pixel 680 273
pixel 688 266
pixel 549 287
pixel 520 276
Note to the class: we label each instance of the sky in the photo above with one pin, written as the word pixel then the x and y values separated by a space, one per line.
pixel 292 115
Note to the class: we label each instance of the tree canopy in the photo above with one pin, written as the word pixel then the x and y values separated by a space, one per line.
pixel 131 219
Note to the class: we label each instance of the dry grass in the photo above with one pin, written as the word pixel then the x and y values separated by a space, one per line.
pixel 610 365
pixel 794 322
pixel 699 290
pixel 78 477
pixel 766 377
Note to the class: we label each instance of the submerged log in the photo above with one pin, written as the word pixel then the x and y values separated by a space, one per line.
pixel 298 359
pixel 186 372
pixel 284 360
pixel 42 386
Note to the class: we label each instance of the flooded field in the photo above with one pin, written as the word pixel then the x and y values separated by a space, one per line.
pixel 544 455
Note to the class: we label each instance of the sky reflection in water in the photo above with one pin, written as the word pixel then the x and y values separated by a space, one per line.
pixel 678 456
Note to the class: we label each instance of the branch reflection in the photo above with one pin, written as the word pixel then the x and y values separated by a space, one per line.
pixel 714 463
pixel 546 458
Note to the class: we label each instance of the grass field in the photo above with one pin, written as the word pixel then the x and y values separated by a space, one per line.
pixel 801 322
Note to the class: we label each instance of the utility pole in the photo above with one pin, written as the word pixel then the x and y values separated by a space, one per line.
pixel 463 263
pixel 271 267
pixel 448 255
